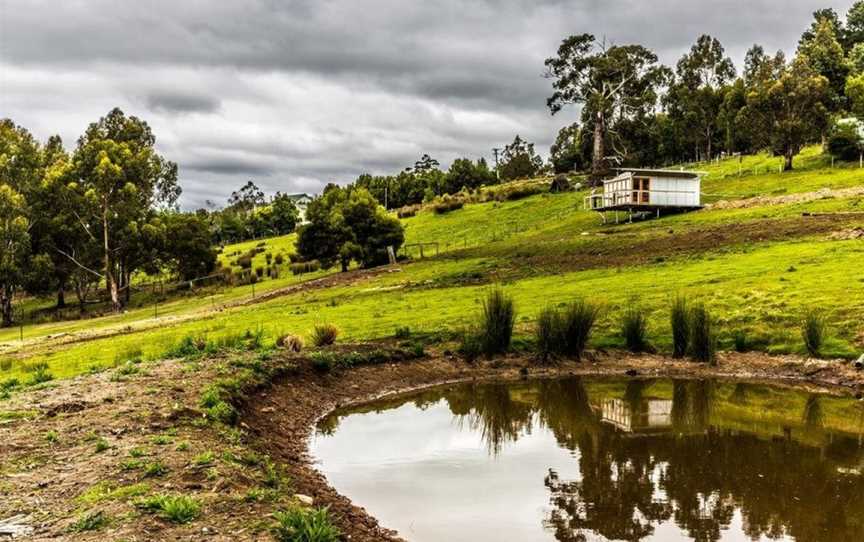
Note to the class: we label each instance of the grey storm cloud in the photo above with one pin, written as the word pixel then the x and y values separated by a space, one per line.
pixel 176 102
pixel 295 94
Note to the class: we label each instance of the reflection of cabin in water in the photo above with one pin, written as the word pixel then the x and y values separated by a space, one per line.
pixel 644 416
pixel 648 191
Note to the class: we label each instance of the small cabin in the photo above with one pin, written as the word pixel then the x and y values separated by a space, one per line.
pixel 648 190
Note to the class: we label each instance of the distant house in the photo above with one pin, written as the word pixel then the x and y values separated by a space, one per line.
pixel 652 190
pixel 301 201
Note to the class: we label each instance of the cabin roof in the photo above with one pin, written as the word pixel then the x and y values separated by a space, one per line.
pixel 295 197
pixel 674 173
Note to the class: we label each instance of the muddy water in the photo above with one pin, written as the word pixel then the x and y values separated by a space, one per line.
pixel 579 459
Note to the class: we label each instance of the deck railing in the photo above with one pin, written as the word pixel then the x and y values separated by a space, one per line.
pixel 635 198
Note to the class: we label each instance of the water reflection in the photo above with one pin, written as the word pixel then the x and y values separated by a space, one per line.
pixel 701 458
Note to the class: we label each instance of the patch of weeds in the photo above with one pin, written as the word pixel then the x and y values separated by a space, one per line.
pixel 305 525
pixel 496 322
pixel 131 464
pixel 92 521
pixel 262 494
pixel 204 459
pixel 103 491
pixel 292 343
pixel 40 376
pixel 102 445
pixel 155 469
pixel 183 446
pixel 162 440
pixel 178 509
pixel 52 437
pixel 274 477
pixel 403 332
pixel 703 344
pixel 138 452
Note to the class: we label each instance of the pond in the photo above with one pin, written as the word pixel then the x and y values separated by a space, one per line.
pixel 584 459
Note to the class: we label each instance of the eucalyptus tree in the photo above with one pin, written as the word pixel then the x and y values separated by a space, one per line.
pixel 695 98
pixel 121 180
pixel 609 81
pixel 20 169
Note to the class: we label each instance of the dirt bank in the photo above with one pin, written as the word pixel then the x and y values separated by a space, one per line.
pixel 92 446
pixel 283 417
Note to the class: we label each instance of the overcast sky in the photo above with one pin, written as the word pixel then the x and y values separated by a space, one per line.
pixel 294 94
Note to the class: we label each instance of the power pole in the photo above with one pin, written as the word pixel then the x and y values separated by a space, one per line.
pixel 495 152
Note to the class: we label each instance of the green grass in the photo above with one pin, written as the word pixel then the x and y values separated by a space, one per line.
pixel 528 247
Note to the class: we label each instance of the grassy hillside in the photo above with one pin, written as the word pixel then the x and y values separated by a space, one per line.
pixel 758 268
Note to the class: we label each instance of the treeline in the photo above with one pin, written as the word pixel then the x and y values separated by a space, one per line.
pixel 425 181
pixel 75 221
pixel 249 215
pixel 636 111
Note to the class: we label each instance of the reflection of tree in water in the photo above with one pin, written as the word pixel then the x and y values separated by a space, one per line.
pixel 693 475
pixel 498 418
pixel 813 417
pixel 692 402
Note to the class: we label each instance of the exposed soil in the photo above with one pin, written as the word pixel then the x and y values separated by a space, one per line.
pixel 633 248
pixel 53 472
pixel 803 197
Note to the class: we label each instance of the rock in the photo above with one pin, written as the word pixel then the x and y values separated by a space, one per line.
pixel 304 499
pixel 268 409
pixel 632 372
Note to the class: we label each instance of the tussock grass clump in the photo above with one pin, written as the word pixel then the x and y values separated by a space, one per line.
pixel 324 334
pixel 292 343
pixel 549 334
pixel 496 324
pixel 178 509
pixel 813 332
pixel 577 323
pixel 680 320
pixel 305 525
pixel 634 329
pixel 703 344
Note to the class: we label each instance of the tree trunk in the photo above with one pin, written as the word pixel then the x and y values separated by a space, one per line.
pixel 598 158
pixel 61 296
pixel 6 305
pixel 787 163
pixel 110 280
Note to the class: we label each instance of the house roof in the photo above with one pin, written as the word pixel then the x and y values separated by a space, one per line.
pixel 675 173
pixel 295 197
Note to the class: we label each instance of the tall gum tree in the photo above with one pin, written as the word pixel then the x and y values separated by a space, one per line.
pixel 609 82
pixel 122 180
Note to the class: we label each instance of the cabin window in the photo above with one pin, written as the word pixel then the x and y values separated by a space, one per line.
pixel 641 186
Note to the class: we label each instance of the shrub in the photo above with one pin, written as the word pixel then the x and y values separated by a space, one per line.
pixel 280 259
pixel 174 508
pixel 293 343
pixel 680 319
pixel 274 272
pixel 702 342
pixel 496 325
pixel 634 329
pixel 253 279
pixel 305 267
pixel 40 376
pixel 447 205
pixel 577 323
pixel 813 332
pixel 406 212
pixel 245 261
pixel 269 258
pixel 324 334
pixel 259 271
pixel 305 525
pixel 740 341
pixel 549 334
pixel 403 332
pixel 470 346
